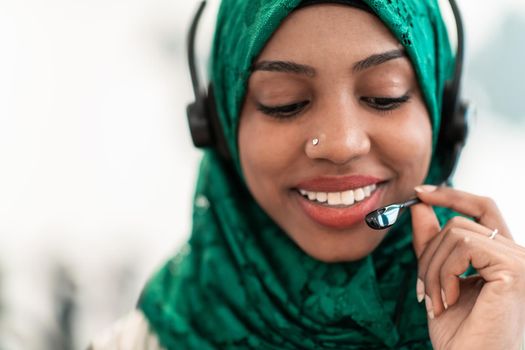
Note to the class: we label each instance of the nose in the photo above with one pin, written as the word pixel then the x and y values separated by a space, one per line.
pixel 338 135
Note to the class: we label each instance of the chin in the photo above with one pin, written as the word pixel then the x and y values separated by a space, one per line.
pixel 340 250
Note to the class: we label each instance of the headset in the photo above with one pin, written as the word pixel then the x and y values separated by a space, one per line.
pixel 202 114
pixel 206 130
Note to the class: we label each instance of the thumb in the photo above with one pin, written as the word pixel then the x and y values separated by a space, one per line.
pixel 425 226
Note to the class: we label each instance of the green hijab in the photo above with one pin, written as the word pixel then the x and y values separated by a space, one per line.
pixel 240 282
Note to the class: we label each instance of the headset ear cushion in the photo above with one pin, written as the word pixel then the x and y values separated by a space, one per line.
pixel 199 124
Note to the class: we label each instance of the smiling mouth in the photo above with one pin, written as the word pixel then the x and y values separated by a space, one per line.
pixel 341 209
pixel 342 199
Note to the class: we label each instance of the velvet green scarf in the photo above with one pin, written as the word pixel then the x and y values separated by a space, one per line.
pixel 240 282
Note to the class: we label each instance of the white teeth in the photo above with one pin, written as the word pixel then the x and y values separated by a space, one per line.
pixel 347 197
pixel 321 196
pixel 337 198
pixel 359 194
pixel 334 198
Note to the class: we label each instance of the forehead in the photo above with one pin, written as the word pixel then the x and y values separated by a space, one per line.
pixel 331 32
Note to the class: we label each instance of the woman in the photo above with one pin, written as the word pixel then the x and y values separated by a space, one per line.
pixel 332 109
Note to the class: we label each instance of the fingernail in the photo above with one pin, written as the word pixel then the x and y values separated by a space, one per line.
pixel 420 290
pixel 444 299
pixel 430 308
pixel 425 188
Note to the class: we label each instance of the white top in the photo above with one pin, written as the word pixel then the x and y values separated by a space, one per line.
pixel 132 332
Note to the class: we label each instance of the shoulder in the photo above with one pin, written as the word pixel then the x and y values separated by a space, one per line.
pixel 131 332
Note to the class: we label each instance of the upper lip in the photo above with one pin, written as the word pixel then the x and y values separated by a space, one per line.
pixel 337 183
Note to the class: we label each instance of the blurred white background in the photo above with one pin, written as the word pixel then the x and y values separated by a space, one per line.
pixel 97 167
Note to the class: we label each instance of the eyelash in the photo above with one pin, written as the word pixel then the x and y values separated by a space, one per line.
pixel 385 104
pixel 283 112
pixel 382 104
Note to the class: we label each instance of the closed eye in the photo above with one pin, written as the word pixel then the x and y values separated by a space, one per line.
pixel 285 111
pixel 385 103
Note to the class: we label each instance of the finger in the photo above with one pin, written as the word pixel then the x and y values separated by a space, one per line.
pixel 432 276
pixel 468 224
pixel 483 209
pixel 469 249
pixel 459 222
pixel 449 274
pixel 428 254
pixel 457 251
pixel 425 226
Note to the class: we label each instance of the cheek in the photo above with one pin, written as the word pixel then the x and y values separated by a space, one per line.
pixel 257 152
pixel 267 149
pixel 410 148
pixel 417 149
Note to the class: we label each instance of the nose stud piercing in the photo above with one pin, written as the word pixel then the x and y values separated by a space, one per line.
pixel 315 141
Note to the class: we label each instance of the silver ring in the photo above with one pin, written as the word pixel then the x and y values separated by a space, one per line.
pixel 315 141
pixel 493 234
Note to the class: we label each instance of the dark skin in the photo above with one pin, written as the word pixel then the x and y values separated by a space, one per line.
pixel 370 118
pixel 356 136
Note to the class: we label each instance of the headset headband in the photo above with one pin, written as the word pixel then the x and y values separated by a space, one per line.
pixel 206 130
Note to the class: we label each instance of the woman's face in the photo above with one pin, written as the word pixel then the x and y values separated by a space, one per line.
pixel 336 74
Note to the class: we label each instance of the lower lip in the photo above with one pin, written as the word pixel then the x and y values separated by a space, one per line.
pixel 340 218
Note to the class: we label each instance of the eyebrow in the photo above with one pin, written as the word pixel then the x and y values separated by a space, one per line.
pixel 284 67
pixel 378 59
pixel 292 67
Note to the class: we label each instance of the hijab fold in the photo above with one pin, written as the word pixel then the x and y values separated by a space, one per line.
pixel 240 282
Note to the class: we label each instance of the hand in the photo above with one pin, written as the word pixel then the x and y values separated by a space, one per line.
pixel 486 311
